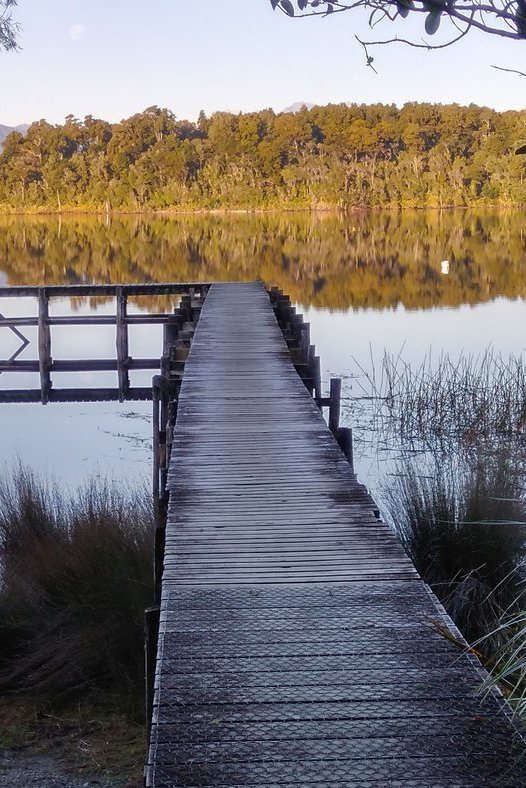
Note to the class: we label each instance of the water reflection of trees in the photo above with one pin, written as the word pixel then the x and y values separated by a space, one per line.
pixel 369 259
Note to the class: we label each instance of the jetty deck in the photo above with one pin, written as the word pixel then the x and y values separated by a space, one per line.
pixel 297 645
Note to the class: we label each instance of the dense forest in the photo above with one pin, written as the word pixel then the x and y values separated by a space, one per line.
pixel 337 156
pixel 369 259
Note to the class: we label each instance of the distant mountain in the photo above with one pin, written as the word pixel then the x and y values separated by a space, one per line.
pixel 5 130
pixel 298 106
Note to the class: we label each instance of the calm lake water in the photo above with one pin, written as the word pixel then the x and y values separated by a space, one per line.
pixel 367 282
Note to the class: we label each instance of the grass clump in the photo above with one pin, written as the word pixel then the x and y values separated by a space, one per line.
pixel 463 523
pixel 75 580
pixel 454 433
pixel 509 670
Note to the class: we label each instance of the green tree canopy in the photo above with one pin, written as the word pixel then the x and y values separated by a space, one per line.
pixel 338 156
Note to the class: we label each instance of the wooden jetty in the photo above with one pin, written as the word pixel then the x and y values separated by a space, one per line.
pixel 294 644
pixel 297 644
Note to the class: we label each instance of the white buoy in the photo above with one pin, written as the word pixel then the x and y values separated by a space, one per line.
pixel 444 266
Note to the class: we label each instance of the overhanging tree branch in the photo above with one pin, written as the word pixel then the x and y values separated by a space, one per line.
pixel 8 27
pixel 504 18
pixel 510 71
pixel 422 45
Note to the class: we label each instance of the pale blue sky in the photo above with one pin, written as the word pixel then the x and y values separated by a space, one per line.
pixel 111 58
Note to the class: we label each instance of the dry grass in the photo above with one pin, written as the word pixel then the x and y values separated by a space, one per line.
pixel 90 741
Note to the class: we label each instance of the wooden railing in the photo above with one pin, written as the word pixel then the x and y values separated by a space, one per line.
pixel 123 363
pixel 297 335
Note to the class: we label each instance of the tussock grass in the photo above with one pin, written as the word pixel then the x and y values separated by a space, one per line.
pixel 75 580
pixel 509 671
pixel 463 523
pixel 454 433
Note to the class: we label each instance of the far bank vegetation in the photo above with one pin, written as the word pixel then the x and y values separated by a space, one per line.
pixel 338 156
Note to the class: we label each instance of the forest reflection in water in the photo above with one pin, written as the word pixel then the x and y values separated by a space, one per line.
pixel 366 282
pixel 326 260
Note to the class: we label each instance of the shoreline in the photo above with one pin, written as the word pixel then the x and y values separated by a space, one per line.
pixel 351 210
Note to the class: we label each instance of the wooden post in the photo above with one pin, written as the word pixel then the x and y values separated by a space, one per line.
pixel 334 407
pixel 291 314
pixel 156 397
pixel 316 373
pixel 151 639
pixel 170 427
pixel 44 345
pixel 163 456
pixel 344 438
pixel 163 392
pixel 297 323
pixel 186 307
pixel 170 332
pixel 122 343
pixel 196 305
pixel 158 548
pixel 305 341
pixel 274 294
pixel 284 305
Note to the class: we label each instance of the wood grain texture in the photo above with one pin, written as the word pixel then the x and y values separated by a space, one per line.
pixel 296 643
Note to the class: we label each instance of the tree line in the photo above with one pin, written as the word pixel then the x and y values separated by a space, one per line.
pixel 337 156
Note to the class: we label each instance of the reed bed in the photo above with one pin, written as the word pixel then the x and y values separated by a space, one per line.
pixel 453 435
pixel 444 405
pixel 75 580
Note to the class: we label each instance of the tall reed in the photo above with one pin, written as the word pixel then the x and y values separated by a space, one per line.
pixel 453 432
pixel 445 404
